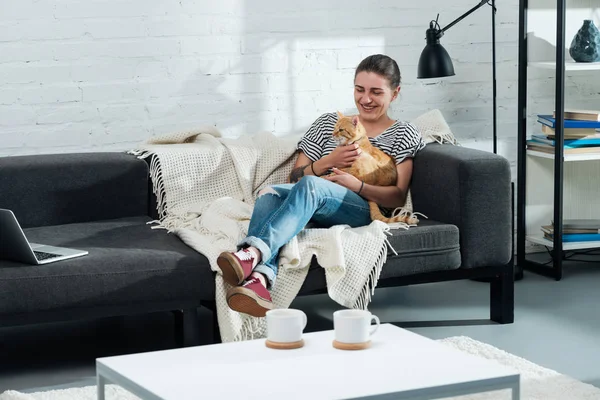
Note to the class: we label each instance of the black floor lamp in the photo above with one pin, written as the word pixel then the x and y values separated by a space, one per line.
pixel 436 63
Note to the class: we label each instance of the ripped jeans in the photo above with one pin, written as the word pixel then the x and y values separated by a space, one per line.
pixel 282 211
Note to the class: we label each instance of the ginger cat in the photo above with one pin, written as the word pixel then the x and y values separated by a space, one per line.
pixel 374 166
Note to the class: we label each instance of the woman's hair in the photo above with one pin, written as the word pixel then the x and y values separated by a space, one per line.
pixel 381 65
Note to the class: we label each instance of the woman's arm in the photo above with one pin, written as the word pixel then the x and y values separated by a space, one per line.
pixel 391 196
pixel 385 196
pixel 302 167
pixel 299 169
pixel 342 156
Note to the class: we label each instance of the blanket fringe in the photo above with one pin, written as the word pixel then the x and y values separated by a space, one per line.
pixel 368 290
pixel 141 154
pixel 406 212
pixel 158 185
pixel 441 137
pixel 251 329
pixel 387 232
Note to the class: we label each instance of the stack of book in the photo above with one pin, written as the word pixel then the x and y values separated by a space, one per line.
pixel 576 230
pixel 580 133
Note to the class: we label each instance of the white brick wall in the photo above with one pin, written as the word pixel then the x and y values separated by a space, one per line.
pixel 106 74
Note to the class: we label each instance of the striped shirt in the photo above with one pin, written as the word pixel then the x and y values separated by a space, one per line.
pixel 400 140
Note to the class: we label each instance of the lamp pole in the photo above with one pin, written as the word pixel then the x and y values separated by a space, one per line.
pixel 494 120
pixel 433 35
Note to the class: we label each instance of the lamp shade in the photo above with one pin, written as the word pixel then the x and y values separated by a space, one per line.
pixel 434 62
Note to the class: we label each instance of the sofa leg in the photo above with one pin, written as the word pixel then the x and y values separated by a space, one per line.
pixel 502 297
pixel 186 327
pixel 216 330
pixel 212 306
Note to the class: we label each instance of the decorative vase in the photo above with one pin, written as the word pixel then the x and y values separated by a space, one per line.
pixel 585 46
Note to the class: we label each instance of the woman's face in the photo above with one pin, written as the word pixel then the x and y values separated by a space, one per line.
pixel 373 95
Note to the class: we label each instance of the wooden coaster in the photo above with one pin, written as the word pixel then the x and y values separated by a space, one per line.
pixel 351 346
pixel 284 346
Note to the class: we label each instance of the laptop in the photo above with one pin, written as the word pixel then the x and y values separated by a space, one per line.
pixel 14 245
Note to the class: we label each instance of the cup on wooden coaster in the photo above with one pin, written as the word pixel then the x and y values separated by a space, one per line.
pixel 353 329
pixel 284 328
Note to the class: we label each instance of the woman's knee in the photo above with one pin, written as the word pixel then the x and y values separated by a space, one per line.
pixel 311 188
pixel 309 181
pixel 278 191
pixel 268 190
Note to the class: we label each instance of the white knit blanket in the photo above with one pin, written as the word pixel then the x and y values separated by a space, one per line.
pixel 206 186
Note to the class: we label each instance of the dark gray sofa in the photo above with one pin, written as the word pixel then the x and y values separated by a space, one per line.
pixel 102 202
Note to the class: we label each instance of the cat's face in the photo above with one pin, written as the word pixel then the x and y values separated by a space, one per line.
pixel 347 129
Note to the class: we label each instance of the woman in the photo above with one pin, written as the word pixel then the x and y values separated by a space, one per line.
pixel 282 211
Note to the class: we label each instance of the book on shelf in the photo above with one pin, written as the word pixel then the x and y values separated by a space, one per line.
pixel 576 237
pixel 581 115
pixel 545 148
pixel 568 143
pixel 575 230
pixel 550 229
pixel 550 121
pixel 580 223
pixel 571 133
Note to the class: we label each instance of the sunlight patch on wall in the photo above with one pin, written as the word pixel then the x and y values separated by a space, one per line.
pixel 318 78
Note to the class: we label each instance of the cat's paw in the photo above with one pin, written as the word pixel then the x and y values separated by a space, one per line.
pixel 412 220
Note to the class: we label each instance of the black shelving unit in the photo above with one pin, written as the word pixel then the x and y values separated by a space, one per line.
pixel 555 270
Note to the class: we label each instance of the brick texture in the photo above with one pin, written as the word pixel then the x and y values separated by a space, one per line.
pixel 107 74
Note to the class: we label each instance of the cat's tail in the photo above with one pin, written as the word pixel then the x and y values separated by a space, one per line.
pixel 404 216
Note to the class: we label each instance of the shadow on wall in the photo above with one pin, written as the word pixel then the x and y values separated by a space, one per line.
pixel 542 50
pixel 196 102
pixel 581 92
pixel 293 65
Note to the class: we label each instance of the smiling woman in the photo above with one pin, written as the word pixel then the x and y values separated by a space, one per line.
pixel 376 85
pixel 282 211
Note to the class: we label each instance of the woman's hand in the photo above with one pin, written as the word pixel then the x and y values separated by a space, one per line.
pixel 343 156
pixel 344 179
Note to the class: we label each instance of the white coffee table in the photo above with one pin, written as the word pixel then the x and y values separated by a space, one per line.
pixel 399 364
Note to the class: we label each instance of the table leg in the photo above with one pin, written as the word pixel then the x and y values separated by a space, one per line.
pixel 101 381
pixel 516 390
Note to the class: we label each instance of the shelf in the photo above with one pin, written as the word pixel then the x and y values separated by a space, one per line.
pixel 567 157
pixel 572 185
pixel 539 239
pixel 569 65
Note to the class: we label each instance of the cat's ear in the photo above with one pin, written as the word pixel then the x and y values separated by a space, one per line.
pixel 340 115
pixel 355 120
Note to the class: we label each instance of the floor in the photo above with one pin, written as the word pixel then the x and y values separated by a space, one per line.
pixel 557 325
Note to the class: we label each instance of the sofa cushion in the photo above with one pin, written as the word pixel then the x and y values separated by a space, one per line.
pixel 129 263
pixel 430 246
pixel 78 187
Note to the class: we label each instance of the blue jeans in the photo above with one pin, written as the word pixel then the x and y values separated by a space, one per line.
pixel 282 211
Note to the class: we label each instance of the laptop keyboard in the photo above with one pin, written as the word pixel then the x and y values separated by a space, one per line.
pixel 41 255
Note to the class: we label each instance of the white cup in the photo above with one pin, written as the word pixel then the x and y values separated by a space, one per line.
pixel 354 326
pixel 285 325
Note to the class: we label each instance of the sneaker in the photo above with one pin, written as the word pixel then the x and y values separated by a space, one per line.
pixel 251 298
pixel 236 267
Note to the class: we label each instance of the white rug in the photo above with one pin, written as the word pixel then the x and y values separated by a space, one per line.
pixel 537 383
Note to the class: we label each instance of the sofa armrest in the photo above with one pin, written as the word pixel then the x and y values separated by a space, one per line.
pixel 470 189
pixel 55 189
